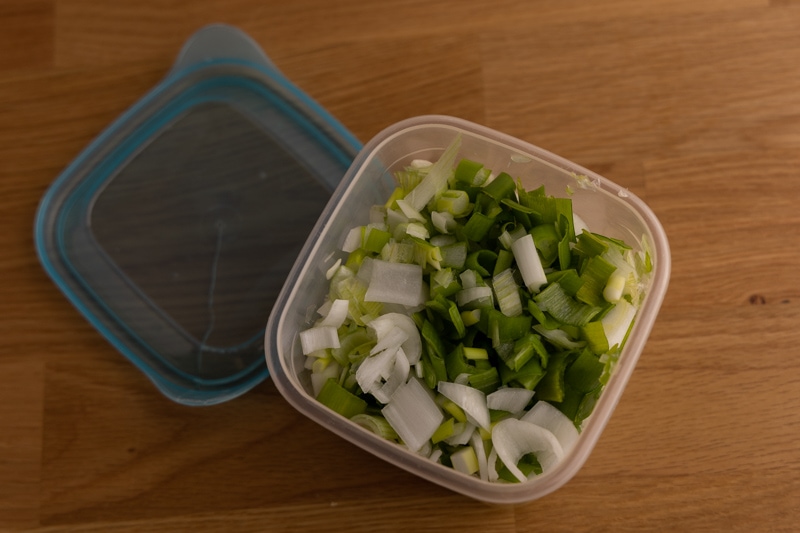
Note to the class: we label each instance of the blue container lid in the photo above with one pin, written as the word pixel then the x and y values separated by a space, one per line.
pixel 174 231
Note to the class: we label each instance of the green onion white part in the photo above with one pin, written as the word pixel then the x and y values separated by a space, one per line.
pixel 530 265
pixel 413 414
pixel 514 438
pixel 509 399
pixel 548 417
pixel 471 400
pixel 397 283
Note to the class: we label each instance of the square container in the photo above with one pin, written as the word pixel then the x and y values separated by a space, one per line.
pixel 605 207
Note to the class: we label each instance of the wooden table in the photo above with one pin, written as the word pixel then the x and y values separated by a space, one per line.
pixel 694 105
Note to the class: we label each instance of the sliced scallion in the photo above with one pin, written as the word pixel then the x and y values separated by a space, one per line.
pixel 464 300
pixel 318 338
pixel 530 266
pixel 395 283
pixel 471 400
pixel 512 439
pixel 413 414
pixel 545 415
pixel 506 291
pixel 510 399
pixel 563 307
pixel 436 179
pixel 338 399
pixel 376 424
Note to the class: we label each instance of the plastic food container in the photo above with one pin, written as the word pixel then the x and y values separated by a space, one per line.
pixel 606 208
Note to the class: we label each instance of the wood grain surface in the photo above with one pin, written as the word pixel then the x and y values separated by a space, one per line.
pixel 694 105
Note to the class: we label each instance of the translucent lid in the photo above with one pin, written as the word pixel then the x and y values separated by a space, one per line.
pixel 174 231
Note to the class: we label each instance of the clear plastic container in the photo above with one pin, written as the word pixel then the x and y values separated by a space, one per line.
pixel 606 208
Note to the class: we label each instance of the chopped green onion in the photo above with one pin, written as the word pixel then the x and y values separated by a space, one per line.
pixel 462 302
pixel 412 344
pixel 409 211
pixel 462 434
pixel 444 282
pixel 475 297
pixel 469 279
pixel 332 270
pixel 551 387
pixel 436 179
pixel 395 283
pixel 527 377
pixel 457 363
pixel 415 229
pixel 390 365
pixel 530 266
pixel 478 226
pixel 486 380
pixel 501 328
pixel 454 255
pixel 318 338
pixel 443 221
pixel 444 431
pixel 375 239
pixel 397 194
pixel 476 441
pixel 426 254
pixel 337 313
pixel 352 241
pixel 617 322
pixel 319 377
pixel 562 307
pixel 507 238
pixel 451 408
pixel 354 346
pixel 558 337
pixel 569 280
pixel 398 252
pixel 413 414
pixel 510 399
pixel 482 262
pixel 595 337
pixel 614 288
pixel 471 400
pixel 443 240
pixel 506 291
pixel 590 245
pixel 376 424
pixel 545 415
pixel 465 460
pixel 514 438
pixel 584 373
pixel 505 260
pixel 546 238
pixel 523 350
pixel 392 339
pixel 595 274
pixel 475 353
pixel 454 202
pixel 501 187
pixel 338 399
pixel 470 317
pixel 471 173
